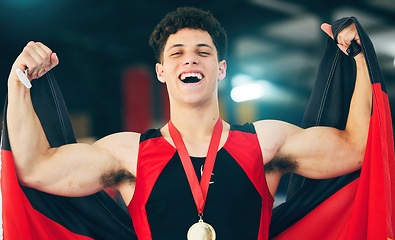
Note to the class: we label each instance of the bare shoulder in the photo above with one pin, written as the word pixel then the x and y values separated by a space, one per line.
pixel 272 134
pixel 123 146
pixel 274 126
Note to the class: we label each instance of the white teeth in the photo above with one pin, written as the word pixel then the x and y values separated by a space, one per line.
pixel 185 75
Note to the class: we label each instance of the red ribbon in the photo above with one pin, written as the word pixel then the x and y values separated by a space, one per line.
pixel 199 191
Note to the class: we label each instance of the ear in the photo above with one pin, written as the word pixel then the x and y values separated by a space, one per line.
pixel 222 70
pixel 159 72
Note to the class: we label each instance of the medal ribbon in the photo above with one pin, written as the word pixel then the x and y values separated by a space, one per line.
pixel 199 191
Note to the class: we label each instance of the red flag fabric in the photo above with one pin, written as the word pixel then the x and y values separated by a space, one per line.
pixel 20 220
pixel 363 208
pixel 360 209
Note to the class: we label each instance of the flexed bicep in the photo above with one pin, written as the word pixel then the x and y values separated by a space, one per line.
pixel 82 169
pixel 322 152
pixel 70 170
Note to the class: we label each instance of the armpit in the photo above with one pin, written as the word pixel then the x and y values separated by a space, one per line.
pixel 281 164
pixel 114 178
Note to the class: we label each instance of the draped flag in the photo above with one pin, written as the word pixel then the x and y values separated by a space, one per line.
pixel 30 214
pixel 357 205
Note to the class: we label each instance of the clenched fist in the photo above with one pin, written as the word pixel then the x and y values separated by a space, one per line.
pixel 345 37
pixel 37 58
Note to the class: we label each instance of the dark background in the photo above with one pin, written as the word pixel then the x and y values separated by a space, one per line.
pixel 279 42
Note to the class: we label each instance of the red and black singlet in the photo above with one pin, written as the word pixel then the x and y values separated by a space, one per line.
pixel 238 205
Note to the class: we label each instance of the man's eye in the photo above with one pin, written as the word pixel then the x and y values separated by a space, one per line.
pixel 175 53
pixel 204 53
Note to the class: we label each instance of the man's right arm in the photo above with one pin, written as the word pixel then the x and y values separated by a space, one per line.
pixel 71 170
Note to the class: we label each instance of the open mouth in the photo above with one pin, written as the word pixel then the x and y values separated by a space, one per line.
pixel 191 77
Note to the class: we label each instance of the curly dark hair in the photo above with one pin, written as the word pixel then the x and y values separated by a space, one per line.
pixel 188 17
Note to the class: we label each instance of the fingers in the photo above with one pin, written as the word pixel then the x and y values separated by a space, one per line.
pixel 327 29
pixel 42 57
pixel 38 58
pixel 54 62
pixel 345 37
pixel 343 48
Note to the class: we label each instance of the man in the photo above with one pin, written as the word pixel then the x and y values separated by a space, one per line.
pixel 153 172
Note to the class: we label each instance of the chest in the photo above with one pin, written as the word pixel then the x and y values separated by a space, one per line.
pixel 163 206
pixel 232 199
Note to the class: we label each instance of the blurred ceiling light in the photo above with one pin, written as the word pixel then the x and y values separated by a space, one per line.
pixel 247 92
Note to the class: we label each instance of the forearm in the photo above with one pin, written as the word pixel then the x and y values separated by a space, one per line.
pixel 325 152
pixel 27 138
pixel 360 107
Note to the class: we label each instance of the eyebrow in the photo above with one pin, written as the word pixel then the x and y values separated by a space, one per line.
pixel 181 45
pixel 175 45
pixel 204 45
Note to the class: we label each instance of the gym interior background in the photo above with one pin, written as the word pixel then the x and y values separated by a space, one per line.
pixel 106 70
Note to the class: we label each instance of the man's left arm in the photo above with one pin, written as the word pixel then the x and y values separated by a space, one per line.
pixel 324 152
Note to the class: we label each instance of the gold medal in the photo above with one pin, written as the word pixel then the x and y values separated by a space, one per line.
pixel 201 231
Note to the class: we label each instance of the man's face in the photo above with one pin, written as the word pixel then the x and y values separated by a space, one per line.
pixel 190 66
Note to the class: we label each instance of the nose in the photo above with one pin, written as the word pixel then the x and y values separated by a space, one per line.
pixel 190 59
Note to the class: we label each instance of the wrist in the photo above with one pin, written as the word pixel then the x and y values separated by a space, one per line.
pixel 360 60
pixel 18 79
pixel 15 86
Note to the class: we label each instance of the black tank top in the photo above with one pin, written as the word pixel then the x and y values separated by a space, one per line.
pixel 238 202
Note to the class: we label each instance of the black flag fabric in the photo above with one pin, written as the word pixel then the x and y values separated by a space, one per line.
pixel 355 206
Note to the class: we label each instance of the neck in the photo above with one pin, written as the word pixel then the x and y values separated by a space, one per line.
pixel 195 122
pixel 196 127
